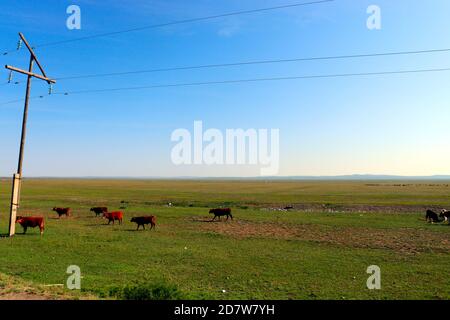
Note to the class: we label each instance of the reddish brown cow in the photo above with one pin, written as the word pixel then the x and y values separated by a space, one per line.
pixel 62 211
pixel 142 221
pixel 31 222
pixel 113 216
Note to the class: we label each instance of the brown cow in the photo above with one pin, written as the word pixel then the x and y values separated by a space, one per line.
pixel 142 221
pixel 99 210
pixel 221 212
pixel 113 216
pixel 31 222
pixel 62 211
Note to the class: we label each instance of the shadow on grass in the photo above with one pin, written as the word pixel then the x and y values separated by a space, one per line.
pixel 436 224
pixel 441 224
pixel 204 220
pixel 133 230
pixel 99 225
pixel 20 234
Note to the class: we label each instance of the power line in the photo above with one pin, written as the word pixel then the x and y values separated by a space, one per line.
pixel 20 100
pixel 12 82
pixel 342 75
pixel 233 64
pixel 256 80
pixel 99 35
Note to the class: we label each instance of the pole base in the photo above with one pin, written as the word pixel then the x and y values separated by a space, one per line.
pixel 15 199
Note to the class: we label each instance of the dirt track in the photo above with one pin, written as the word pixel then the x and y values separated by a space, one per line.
pixel 403 240
pixel 362 208
pixel 22 296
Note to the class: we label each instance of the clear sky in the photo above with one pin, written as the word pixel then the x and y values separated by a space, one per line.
pixel 396 124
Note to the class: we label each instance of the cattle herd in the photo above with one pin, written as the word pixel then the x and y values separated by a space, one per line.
pixel 33 222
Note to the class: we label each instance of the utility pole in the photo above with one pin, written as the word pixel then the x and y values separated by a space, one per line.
pixel 17 178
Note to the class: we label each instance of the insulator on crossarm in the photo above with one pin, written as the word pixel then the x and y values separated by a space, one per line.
pixel 19 44
pixel 50 89
pixel 10 77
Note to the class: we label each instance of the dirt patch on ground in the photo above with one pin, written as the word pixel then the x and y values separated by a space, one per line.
pixel 360 208
pixel 403 240
pixel 14 288
pixel 22 296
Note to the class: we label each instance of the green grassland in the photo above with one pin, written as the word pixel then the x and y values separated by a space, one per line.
pixel 319 250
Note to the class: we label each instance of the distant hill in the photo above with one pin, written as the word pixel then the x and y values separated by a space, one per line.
pixel 353 177
pixel 363 177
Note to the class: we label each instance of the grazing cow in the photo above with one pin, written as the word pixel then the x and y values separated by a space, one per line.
pixel 113 216
pixel 288 207
pixel 62 211
pixel 31 222
pixel 99 210
pixel 431 216
pixel 142 221
pixel 221 212
pixel 446 215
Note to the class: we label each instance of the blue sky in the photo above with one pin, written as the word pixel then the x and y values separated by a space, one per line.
pixel 396 124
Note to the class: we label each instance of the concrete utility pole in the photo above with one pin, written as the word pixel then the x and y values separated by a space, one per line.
pixel 15 196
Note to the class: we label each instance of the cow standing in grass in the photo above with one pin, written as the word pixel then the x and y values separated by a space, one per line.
pixel 62 211
pixel 113 216
pixel 31 222
pixel 219 212
pixel 142 221
pixel 99 210
pixel 431 216
pixel 446 215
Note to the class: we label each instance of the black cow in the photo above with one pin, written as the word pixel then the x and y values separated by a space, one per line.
pixel 62 211
pixel 446 215
pixel 431 216
pixel 142 221
pixel 219 212
pixel 99 210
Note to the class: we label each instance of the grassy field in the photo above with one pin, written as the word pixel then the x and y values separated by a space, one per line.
pixel 319 250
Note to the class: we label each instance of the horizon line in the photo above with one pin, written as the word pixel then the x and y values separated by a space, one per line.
pixel 288 177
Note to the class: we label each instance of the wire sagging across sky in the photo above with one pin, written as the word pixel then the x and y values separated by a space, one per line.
pixel 243 63
pixel 167 24
pixel 304 77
